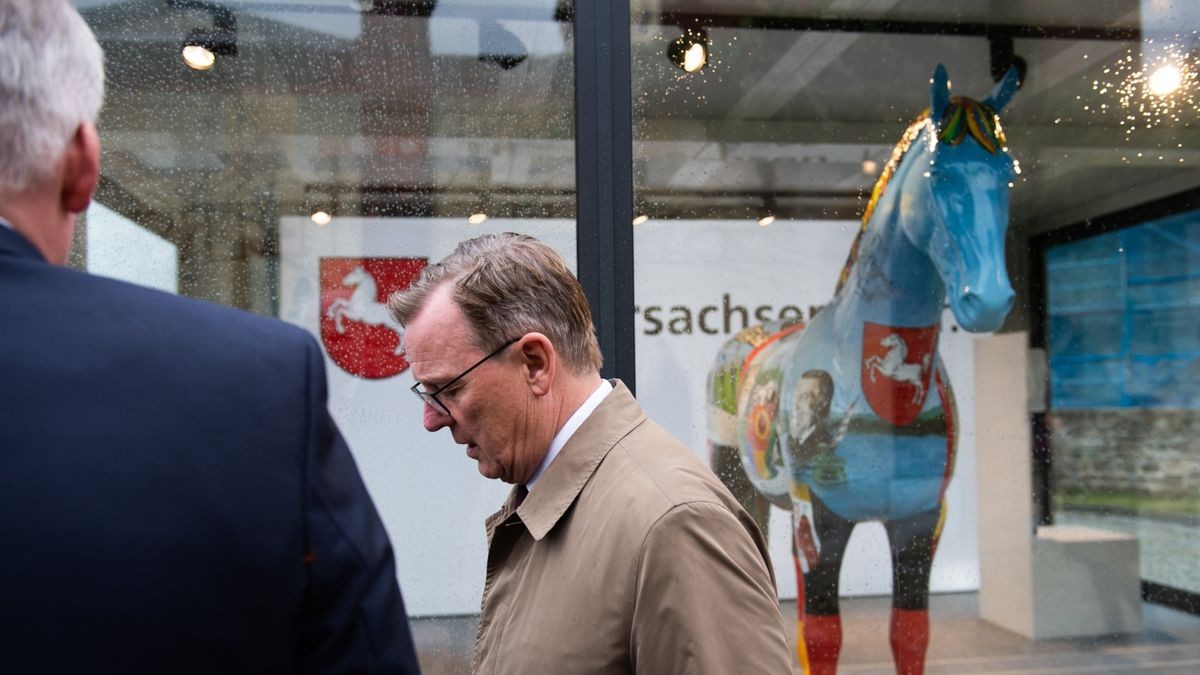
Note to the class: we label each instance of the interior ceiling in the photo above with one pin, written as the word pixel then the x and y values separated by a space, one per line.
pixel 385 106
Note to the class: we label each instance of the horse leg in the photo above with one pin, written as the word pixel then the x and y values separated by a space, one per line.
pixel 726 462
pixel 820 623
pixel 913 542
pixel 336 310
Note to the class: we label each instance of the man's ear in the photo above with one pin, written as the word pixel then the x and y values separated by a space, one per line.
pixel 539 362
pixel 81 168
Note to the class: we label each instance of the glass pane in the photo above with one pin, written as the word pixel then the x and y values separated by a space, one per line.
pixel 1124 421
pixel 332 150
pixel 767 135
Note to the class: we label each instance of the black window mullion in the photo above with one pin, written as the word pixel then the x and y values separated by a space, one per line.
pixel 604 177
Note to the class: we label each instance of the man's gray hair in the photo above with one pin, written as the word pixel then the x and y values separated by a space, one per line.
pixel 51 81
pixel 508 285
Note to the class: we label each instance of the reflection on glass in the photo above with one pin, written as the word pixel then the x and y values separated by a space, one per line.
pixel 1124 352
pixel 119 248
pixel 331 149
pixel 350 109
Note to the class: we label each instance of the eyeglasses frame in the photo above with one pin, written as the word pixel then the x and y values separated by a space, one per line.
pixel 430 397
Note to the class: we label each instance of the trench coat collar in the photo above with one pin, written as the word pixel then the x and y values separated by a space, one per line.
pixel 617 415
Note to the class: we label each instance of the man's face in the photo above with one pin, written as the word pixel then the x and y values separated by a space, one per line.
pixel 490 408
pixel 808 397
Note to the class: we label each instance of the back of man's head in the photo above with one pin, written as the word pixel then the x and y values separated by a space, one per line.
pixel 51 81
pixel 508 285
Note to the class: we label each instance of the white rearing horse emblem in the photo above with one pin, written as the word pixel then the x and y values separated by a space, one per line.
pixel 362 307
pixel 892 365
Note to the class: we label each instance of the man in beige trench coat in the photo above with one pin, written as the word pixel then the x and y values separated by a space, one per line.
pixel 617 551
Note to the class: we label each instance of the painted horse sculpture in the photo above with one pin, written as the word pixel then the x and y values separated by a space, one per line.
pixel 851 418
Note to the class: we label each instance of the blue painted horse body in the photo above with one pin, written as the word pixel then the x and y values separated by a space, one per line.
pixel 851 418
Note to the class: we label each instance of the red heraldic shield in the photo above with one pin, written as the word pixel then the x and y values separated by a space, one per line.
pixel 359 333
pixel 895 369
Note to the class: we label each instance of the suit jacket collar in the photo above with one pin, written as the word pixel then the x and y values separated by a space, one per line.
pixel 13 243
pixel 563 480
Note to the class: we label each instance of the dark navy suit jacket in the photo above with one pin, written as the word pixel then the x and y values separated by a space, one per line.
pixel 174 496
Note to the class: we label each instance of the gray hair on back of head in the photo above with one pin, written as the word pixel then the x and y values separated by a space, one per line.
pixel 51 81
pixel 508 285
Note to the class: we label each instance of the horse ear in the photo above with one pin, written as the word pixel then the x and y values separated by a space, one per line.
pixel 1003 92
pixel 939 92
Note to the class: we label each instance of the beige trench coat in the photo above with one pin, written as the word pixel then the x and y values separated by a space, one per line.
pixel 628 557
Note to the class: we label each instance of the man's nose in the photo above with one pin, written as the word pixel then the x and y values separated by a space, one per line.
pixel 434 417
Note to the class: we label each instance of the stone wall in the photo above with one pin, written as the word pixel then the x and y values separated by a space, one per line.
pixel 1144 451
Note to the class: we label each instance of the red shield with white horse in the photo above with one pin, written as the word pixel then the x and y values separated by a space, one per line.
pixel 895 369
pixel 359 333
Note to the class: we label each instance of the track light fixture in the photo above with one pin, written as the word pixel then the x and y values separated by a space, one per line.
pixel 500 46
pixel 480 209
pixel 1002 55
pixel 766 215
pixel 202 46
pixel 690 50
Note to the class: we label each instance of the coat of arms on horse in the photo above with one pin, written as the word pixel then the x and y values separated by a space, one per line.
pixel 895 369
pixel 359 333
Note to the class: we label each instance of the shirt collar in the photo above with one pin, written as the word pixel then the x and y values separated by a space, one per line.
pixel 617 415
pixel 5 223
pixel 564 434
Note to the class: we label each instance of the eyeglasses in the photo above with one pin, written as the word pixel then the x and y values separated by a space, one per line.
pixel 430 397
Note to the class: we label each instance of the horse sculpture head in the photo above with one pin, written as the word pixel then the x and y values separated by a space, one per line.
pixel 947 184
pixel 959 187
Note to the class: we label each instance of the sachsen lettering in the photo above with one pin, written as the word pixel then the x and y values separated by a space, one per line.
pixel 724 319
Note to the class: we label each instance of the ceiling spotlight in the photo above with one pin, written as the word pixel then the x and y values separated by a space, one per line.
pixel 198 57
pixel 641 219
pixel 1166 80
pixel 690 50
pixel 321 217
pixel 869 166
pixel 477 218
pixel 768 209
pixel 202 46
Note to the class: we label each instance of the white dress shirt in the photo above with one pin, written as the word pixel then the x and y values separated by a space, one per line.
pixel 573 423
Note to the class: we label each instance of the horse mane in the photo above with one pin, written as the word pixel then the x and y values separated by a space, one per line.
pixel 963 117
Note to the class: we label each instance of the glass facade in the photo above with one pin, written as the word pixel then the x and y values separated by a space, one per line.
pixel 331 150
pixel 336 146
pixel 1124 357
pixel 1124 313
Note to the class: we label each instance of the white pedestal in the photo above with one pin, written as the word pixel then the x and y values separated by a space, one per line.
pixel 1045 582
pixel 1085 582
